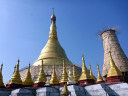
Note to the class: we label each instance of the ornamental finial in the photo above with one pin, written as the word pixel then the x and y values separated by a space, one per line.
pixel 53 10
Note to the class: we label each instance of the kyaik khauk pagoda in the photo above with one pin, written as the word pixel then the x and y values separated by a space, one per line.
pixel 53 74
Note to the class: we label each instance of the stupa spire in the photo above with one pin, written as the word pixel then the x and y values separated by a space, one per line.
pixel 99 79
pixel 64 77
pixel 52 53
pixel 53 32
pixel 74 74
pixel 54 80
pixel 41 79
pixel 1 77
pixel 65 91
pixel 85 74
pixel 91 74
pixel 85 78
pixel 114 74
pixel 15 81
pixel 113 71
pixel 28 80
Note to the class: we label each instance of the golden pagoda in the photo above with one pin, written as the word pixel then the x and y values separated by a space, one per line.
pixel 54 80
pixel 1 78
pixel 114 74
pixel 74 74
pixel 52 53
pixel 99 79
pixel 91 74
pixel 65 91
pixel 15 81
pixel 28 80
pixel 40 81
pixel 64 77
pixel 85 78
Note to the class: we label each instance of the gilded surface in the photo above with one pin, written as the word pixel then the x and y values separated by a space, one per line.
pixel 1 77
pixel 91 74
pixel 28 80
pixel 16 76
pixel 113 71
pixel 99 75
pixel 41 75
pixel 65 91
pixel 54 79
pixel 52 53
pixel 85 74
pixel 74 74
pixel 64 77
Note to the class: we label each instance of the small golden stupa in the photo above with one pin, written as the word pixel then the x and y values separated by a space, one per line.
pixel 65 91
pixel 15 81
pixel 91 74
pixel 28 80
pixel 114 74
pixel 85 78
pixel 54 80
pixel 1 78
pixel 40 81
pixel 64 77
pixel 74 74
pixel 99 79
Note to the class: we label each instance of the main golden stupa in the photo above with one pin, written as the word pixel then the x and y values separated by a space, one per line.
pixel 51 54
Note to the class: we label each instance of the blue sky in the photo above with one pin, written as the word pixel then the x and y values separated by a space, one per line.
pixel 25 24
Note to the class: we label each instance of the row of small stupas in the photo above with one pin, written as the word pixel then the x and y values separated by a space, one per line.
pixel 86 78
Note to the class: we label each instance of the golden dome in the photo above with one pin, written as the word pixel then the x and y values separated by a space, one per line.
pixel 52 53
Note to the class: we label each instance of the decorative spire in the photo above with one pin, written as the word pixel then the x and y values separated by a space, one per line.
pixel 99 79
pixel 65 91
pixel 14 69
pixel 15 79
pixel 53 17
pixel 85 78
pixel 28 80
pixel 85 74
pixel 1 67
pixel 91 74
pixel 1 77
pixel 113 71
pixel 41 76
pixel 54 79
pixel 64 77
pixel 53 32
pixel 74 74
